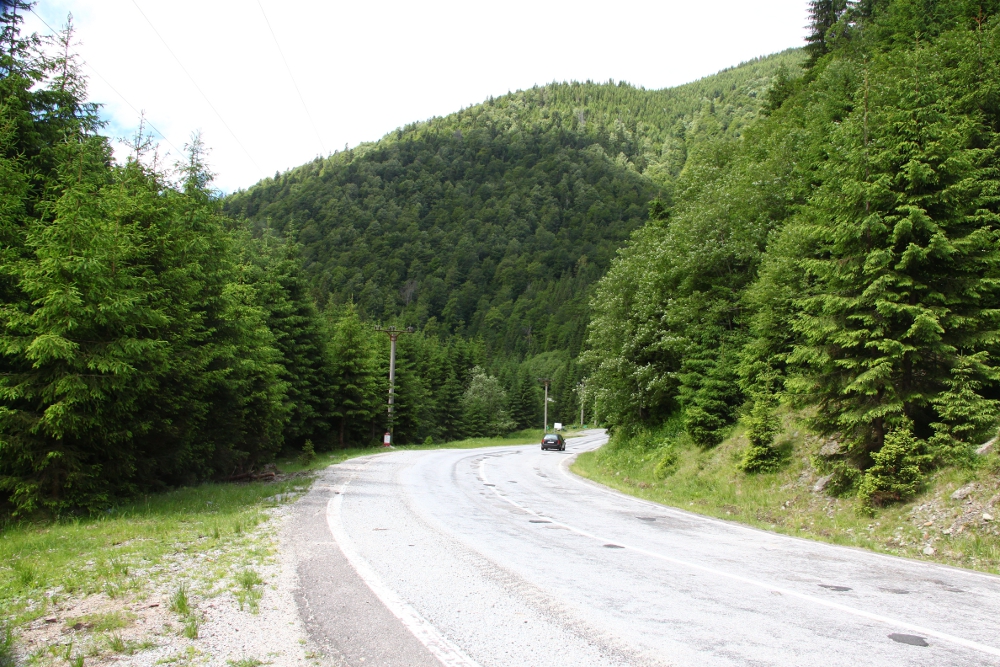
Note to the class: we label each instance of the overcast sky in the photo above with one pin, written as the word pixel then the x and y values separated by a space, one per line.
pixel 367 67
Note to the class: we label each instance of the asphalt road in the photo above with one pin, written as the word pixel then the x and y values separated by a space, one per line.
pixel 502 556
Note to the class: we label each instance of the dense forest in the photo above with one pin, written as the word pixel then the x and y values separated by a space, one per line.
pixel 148 340
pixel 492 222
pixel 841 258
pixel 812 231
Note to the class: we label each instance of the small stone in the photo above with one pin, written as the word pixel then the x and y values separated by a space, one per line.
pixel 821 483
pixel 928 523
pixel 51 620
pixel 929 550
pixel 962 493
pixel 987 516
pixel 830 448
pixel 946 531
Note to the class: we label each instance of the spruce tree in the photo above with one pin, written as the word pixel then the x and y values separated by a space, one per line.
pixel 294 322
pixel 903 274
pixel 354 387
pixel 823 15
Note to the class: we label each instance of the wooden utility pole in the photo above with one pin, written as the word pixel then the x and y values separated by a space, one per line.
pixel 545 411
pixel 393 335
pixel 581 390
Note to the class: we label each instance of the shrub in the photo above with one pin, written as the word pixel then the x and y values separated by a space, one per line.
pixel 667 463
pixel 762 426
pixel 308 454
pixel 896 472
pixel 704 427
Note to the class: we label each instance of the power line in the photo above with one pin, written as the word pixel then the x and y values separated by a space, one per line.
pixel 292 77
pixel 115 90
pixel 198 88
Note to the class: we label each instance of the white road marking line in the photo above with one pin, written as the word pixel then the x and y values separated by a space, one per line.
pixel 447 653
pixel 692 516
pixel 976 646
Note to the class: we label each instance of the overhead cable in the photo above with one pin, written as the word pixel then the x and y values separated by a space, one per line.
pixel 292 77
pixel 198 88
pixel 115 90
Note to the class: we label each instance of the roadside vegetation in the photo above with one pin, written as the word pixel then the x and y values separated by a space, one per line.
pixel 80 579
pixel 149 341
pixel 839 259
pixel 952 516
pixel 85 576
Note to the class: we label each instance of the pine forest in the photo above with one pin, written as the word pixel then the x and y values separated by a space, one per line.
pixel 814 232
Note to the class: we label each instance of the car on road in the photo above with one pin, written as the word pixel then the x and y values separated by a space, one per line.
pixel 554 441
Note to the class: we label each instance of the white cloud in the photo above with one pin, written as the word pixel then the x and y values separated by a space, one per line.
pixel 365 68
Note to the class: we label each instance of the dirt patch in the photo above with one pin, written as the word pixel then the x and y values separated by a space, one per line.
pixel 244 616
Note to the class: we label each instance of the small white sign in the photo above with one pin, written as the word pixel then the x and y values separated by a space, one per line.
pixel 387 440
pixel 558 426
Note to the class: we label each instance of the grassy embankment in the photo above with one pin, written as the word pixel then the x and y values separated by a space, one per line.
pixel 196 543
pixel 668 469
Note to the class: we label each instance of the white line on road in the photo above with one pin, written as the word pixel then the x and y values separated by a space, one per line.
pixel 731 525
pixel 440 647
pixel 976 646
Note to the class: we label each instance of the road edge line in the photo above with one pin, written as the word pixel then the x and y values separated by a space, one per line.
pixel 446 652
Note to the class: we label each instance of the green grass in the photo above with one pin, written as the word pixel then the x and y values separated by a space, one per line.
pixel 115 620
pixel 708 482
pixel 127 551
pixel 123 550
pixel 6 646
pixel 245 662
pixel 179 601
pixel 247 591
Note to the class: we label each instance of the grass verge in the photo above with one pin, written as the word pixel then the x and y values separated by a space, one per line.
pixel 185 545
pixel 191 539
pixel 668 469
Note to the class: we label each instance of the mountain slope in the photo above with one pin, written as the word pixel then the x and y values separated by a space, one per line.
pixel 494 221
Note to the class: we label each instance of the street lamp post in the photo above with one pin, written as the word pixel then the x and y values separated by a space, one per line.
pixel 393 333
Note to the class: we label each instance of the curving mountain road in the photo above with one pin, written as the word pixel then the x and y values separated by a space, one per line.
pixel 502 556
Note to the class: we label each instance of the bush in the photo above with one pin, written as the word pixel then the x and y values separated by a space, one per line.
pixel 762 426
pixel 308 454
pixel 704 427
pixel 896 472
pixel 667 463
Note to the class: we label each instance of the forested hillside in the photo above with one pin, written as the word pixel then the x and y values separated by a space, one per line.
pixel 493 222
pixel 153 334
pixel 841 258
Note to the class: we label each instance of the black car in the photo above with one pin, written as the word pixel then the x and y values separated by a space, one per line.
pixel 554 441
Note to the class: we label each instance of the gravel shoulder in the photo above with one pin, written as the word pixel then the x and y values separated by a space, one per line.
pixel 241 614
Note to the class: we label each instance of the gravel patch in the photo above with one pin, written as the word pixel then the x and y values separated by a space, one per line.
pixel 244 617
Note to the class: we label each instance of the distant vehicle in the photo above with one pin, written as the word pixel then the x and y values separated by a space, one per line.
pixel 554 441
pixel 557 426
